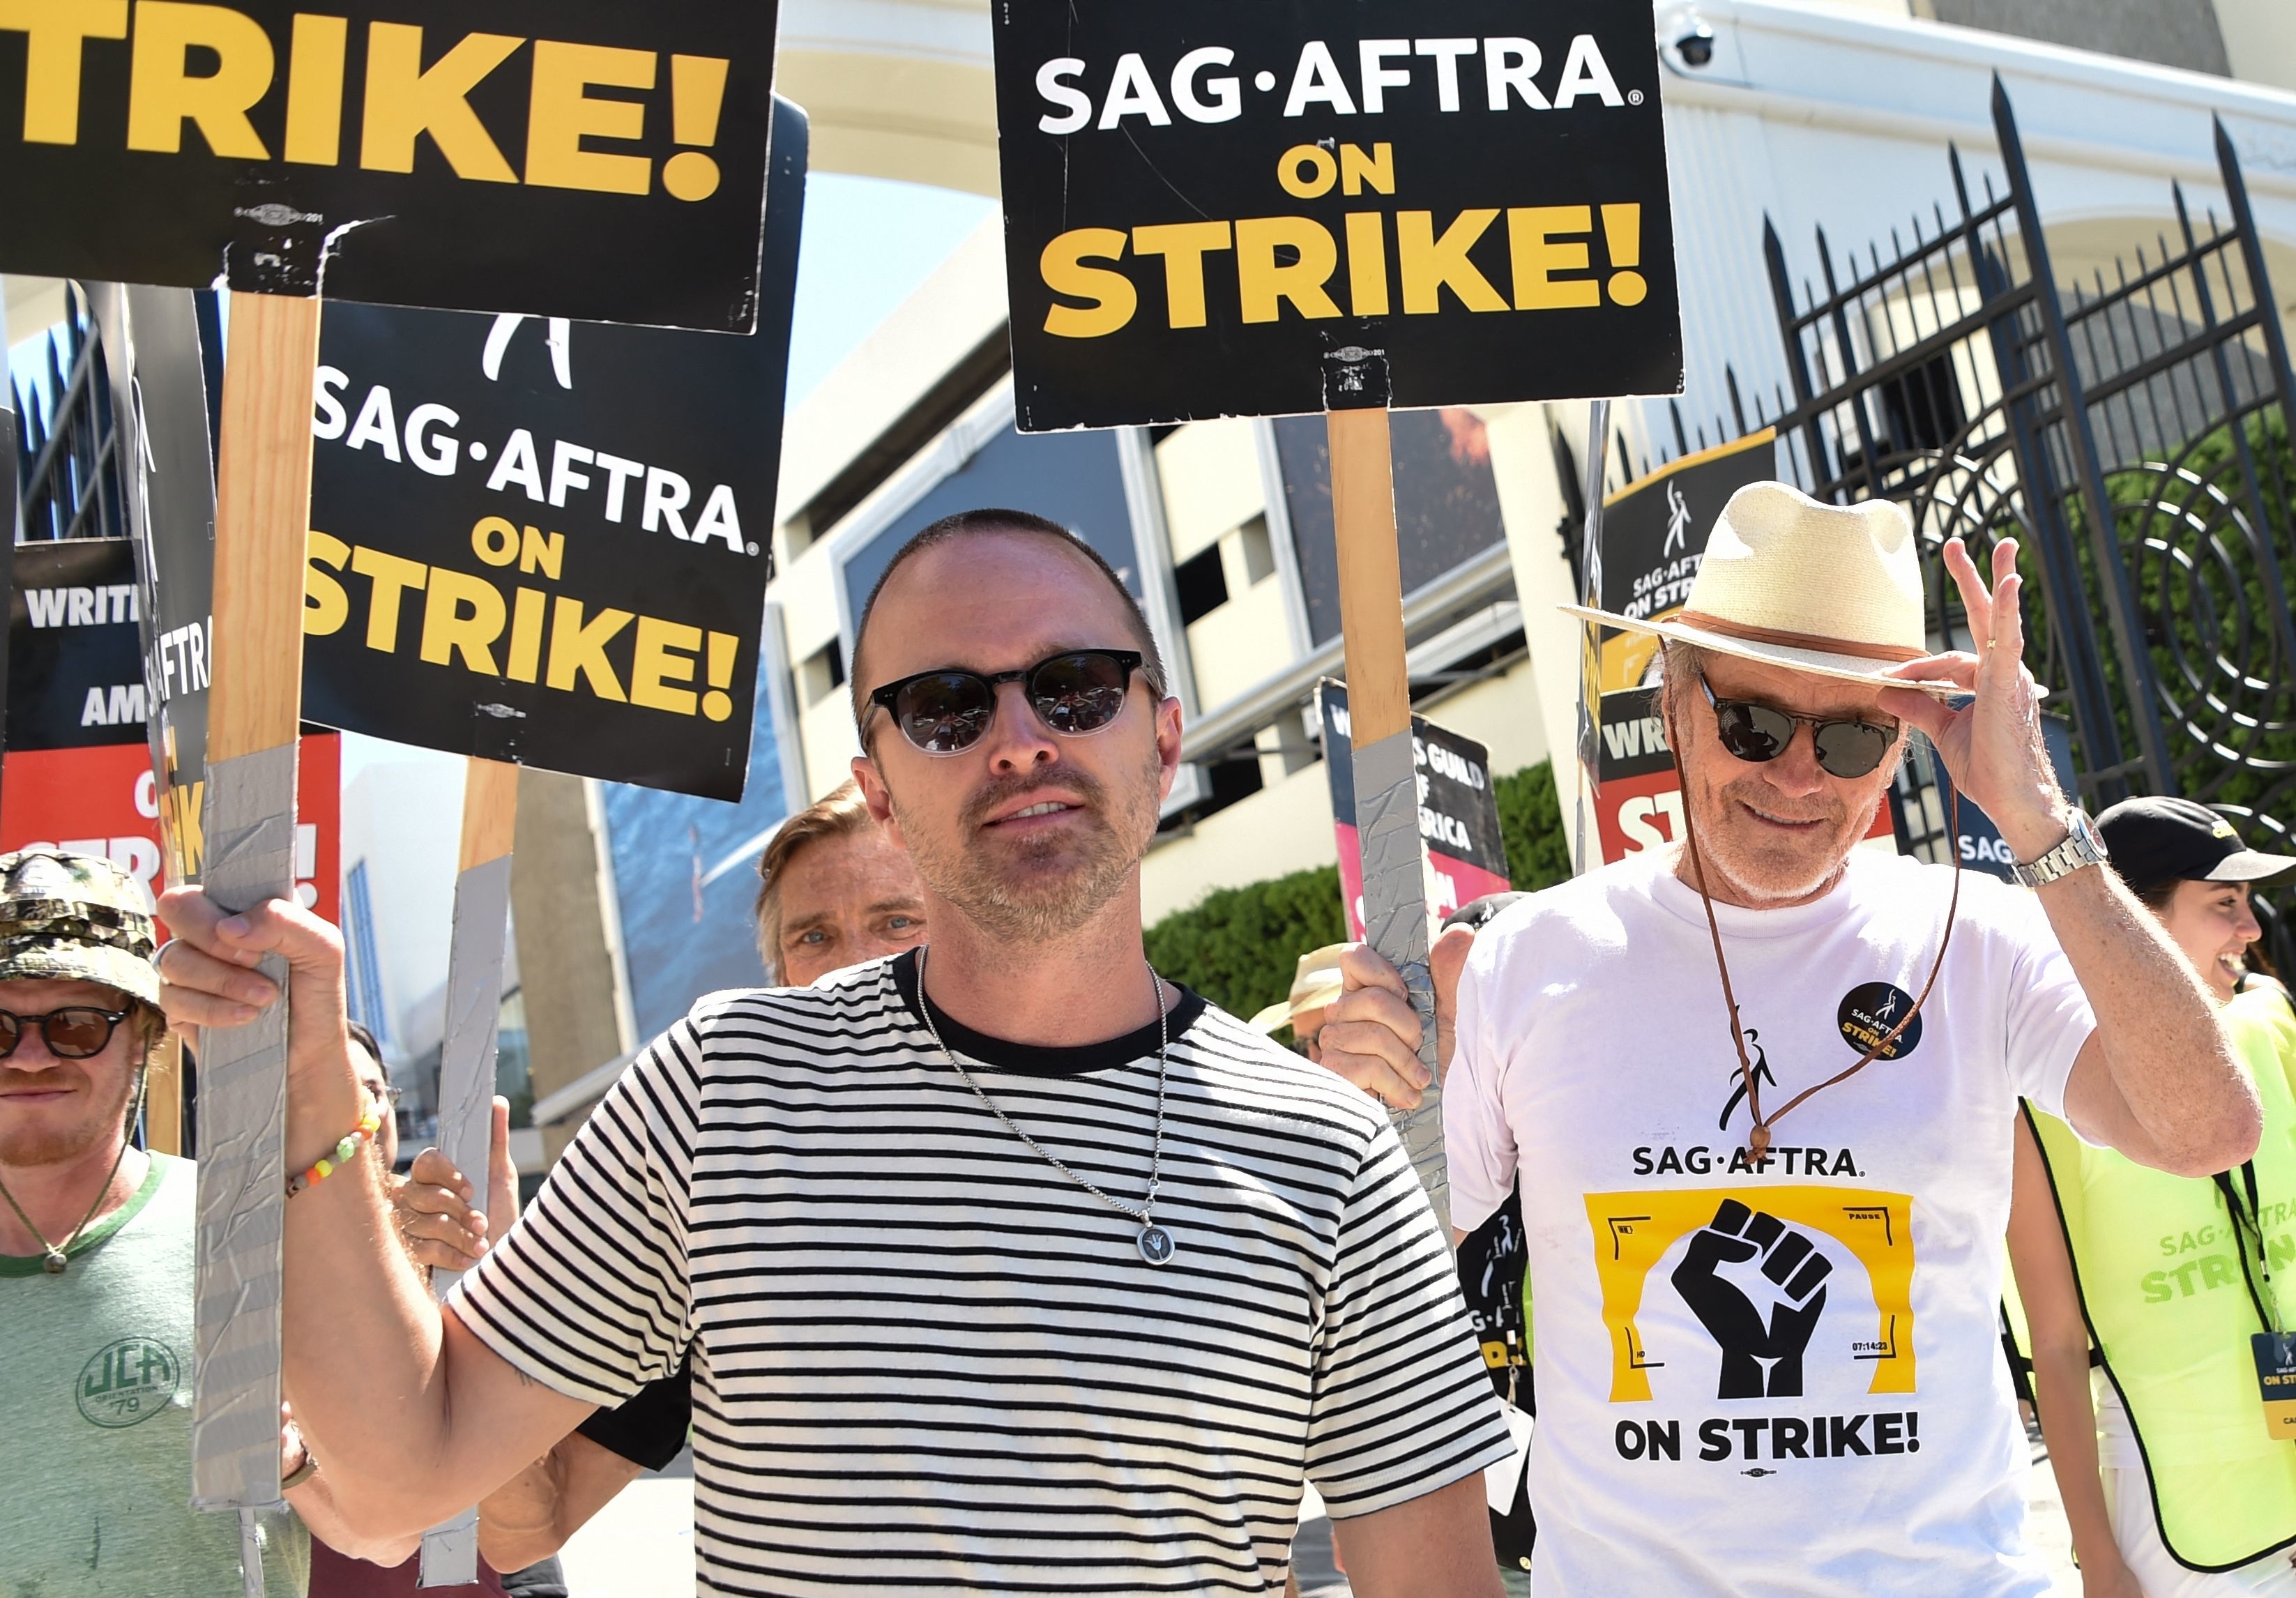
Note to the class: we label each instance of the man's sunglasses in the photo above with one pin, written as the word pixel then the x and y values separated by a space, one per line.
pixel 1759 732
pixel 946 712
pixel 77 1032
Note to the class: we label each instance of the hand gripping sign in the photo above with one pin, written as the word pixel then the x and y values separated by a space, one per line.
pixel 1215 210
pixel 570 158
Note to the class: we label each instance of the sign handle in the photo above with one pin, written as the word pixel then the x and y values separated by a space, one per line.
pixel 466 1062
pixel 1386 771
pixel 1590 633
pixel 262 517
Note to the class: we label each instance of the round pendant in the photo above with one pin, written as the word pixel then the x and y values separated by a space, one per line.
pixel 54 1263
pixel 1156 1244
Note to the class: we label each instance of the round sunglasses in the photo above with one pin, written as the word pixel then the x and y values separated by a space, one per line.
pixel 947 711
pixel 77 1032
pixel 1845 748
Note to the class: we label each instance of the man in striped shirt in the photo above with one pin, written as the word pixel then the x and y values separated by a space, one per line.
pixel 1004 1265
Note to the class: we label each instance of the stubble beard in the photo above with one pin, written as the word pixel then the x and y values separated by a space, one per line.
pixel 1763 869
pixel 1037 890
pixel 24 1149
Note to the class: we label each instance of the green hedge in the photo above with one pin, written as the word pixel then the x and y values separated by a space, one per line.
pixel 1530 820
pixel 1240 945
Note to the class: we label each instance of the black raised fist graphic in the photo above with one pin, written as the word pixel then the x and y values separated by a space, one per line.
pixel 1737 1234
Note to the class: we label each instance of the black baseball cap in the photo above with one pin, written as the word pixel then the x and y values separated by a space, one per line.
pixel 2157 841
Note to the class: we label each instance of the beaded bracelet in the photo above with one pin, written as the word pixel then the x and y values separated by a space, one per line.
pixel 370 1122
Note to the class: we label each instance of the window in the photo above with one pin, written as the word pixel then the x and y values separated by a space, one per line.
pixel 1259 553
pixel 822 673
pixel 365 964
pixel 1202 584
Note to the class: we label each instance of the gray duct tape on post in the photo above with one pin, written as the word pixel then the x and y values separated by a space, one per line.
pixel 250 1555
pixel 450 1553
pixel 1395 921
pixel 249 824
pixel 466 1091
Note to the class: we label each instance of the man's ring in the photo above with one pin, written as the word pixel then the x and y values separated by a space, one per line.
pixel 159 953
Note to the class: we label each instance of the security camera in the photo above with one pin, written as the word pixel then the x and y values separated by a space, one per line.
pixel 1696 47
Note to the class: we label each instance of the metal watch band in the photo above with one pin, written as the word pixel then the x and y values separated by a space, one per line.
pixel 2081 846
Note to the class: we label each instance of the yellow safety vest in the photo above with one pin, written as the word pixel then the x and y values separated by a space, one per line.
pixel 2159 1263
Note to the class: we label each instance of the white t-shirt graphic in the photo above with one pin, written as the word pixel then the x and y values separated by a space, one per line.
pixel 1781 1377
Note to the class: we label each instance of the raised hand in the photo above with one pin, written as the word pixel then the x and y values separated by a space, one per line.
pixel 1992 746
pixel 432 1204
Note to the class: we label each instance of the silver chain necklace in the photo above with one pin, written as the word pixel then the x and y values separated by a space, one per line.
pixel 1156 1244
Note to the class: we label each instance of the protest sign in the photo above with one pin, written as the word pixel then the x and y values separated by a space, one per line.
pixel 1641 554
pixel 1458 811
pixel 154 360
pixel 1206 204
pixel 567 157
pixel 11 524
pixel 1654 533
pixel 79 772
pixel 546 542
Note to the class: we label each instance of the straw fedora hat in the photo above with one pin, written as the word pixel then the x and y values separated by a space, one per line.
pixel 1790 581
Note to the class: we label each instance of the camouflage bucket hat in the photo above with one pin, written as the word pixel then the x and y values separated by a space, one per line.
pixel 75 918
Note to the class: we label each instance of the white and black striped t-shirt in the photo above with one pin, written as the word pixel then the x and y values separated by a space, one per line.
pixel 923 1358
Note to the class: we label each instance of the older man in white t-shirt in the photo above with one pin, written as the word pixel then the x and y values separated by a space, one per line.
pixel 1758 1091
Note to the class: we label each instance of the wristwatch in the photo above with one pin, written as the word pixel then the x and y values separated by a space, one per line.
pixel 2083 845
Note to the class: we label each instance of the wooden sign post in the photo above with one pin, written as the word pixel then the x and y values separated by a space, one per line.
pixel 262 502
pixel 466 1062
pixel 1386 774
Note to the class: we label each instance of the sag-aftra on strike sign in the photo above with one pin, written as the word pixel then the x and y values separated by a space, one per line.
pixel 1204 199
pixel 570 158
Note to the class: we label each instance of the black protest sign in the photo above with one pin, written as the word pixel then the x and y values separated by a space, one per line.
pixel 1654 533
pixel 155 359
pixel 75 665
pixel 548 542
pixel 1205 201
pixel 1458 810
pixel 570 158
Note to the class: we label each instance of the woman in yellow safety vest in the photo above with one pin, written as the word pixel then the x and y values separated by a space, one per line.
pixel 2180 1478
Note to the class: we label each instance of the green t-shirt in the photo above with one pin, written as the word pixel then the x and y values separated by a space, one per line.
pixel 95 1382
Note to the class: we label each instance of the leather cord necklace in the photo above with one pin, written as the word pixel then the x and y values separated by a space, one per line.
pixel 1758 1139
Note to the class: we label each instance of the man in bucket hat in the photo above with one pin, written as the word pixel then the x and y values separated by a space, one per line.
pixel 95 1269
pixel 1759 1089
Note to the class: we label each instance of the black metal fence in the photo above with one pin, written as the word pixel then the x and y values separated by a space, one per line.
pixel 66 478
